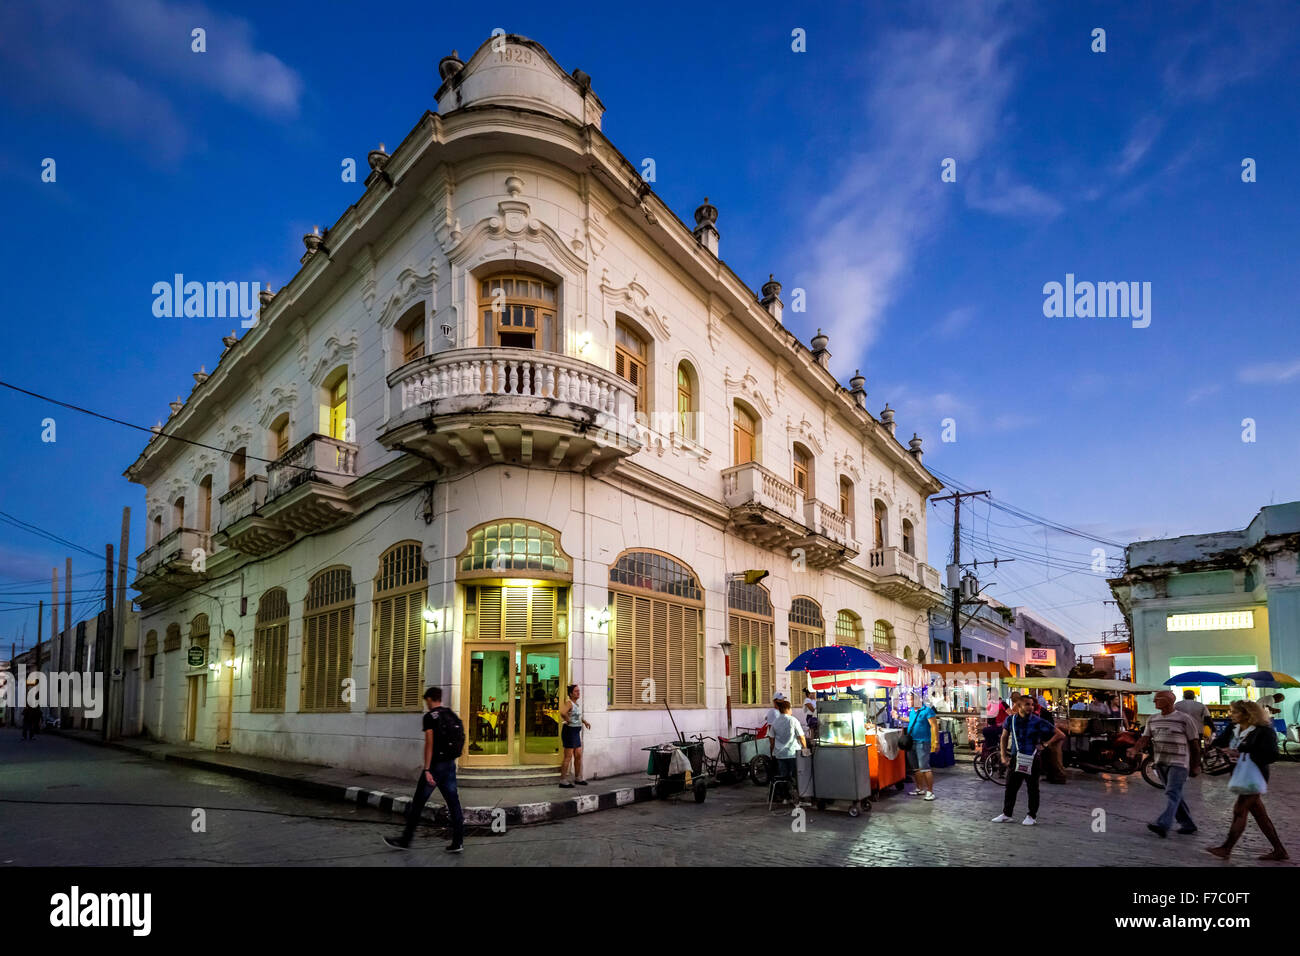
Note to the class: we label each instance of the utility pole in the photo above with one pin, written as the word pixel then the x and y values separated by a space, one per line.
pixel 104 642
pixel 956 498
pixel 70 637
pixel 55 642
pixel 116 689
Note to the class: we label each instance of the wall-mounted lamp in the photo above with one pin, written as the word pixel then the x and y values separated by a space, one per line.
pixel 584 341
pixel 433 617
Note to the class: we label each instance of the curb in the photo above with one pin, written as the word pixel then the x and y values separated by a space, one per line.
pixel 519 815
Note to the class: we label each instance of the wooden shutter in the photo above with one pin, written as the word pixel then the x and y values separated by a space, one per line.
pixel 515 613
pixel 381 637
pixel 623 626
pixel 644 646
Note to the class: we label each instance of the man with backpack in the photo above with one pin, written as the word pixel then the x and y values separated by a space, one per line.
pixel 444 739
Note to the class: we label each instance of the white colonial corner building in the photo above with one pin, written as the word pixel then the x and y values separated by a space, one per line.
pixel 512 426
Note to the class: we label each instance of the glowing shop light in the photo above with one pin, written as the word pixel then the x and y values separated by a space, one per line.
pixel 1217 621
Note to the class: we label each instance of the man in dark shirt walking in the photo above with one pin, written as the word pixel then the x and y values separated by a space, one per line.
pixel 1024 738
pixel 444 738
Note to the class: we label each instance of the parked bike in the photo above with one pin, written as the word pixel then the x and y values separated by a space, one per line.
pixel 1214 762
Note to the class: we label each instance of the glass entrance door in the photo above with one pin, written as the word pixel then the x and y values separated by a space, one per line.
pixel 539 690
pixel 489 712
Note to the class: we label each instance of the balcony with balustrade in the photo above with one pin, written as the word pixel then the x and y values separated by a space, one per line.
pixel 469 407
pixel 176 562
pixel 902 577
pixel 242 526
pixel 765 509
pixel 830 540
pixel 306 487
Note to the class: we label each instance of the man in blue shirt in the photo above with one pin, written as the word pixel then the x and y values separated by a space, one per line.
pixel 1026 734
pixel 923 728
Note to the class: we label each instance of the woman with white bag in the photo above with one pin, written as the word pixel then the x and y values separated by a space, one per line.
pixel 1252 744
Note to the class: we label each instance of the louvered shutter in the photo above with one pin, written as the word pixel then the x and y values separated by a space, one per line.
pixel 733 635
pixel 659 650
pixel 381 631
pixel 676 656
pixel 516 614
pixel 644 647
pixel 624 625
pixel 489 613
pixel 414 656
pixel 310 661
pixel 542 613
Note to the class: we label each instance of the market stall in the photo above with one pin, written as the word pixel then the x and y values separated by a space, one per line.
pixel 960 694
pixel 855 752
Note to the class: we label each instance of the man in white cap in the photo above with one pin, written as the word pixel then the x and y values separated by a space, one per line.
pixel 772 714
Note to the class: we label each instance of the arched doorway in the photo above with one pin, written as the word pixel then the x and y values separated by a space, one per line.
pixel 514 578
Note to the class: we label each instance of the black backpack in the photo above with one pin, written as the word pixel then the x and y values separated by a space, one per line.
pixel 448 737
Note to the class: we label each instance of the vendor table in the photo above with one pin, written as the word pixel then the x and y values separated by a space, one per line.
pixel 885 771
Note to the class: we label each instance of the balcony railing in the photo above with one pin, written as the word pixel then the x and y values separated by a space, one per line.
pixel 890 561
pixel 929 578
pixel 178 546
pixel 315 458
pixel 525 373
pixel 826 521
pixel 752 484
pixel 243 499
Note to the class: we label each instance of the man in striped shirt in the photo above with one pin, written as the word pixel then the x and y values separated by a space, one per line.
pixel 1171 734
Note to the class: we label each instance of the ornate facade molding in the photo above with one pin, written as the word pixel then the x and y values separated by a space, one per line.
pixel 847 464
pixel 803 431
pixel 746 386
pixel 282 398
pixel 632 299
pixel 409 288
pixel 338 350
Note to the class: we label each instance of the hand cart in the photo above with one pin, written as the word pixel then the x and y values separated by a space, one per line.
pixel 748 754
pixel 667 783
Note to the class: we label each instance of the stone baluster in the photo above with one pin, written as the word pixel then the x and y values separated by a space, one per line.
pixel 549 385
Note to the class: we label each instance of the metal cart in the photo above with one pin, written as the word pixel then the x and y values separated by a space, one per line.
pixel 838 768
pixel 667 783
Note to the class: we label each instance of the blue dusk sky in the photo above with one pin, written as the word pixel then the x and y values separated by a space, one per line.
pixel 1115 166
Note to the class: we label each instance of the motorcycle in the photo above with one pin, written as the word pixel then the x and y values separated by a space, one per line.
pixel 1094 747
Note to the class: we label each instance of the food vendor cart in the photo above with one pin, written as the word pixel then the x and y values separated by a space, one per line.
pixel 837 767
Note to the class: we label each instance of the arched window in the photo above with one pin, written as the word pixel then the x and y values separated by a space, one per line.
pixel 157 529
pixel 744 434
pixel 920 656
pixel 656 633
pixel 631 362
pixel 397 629
pixel 687 401
pixel 753 643
pixel 327 640
pixel 270 652
pixel 150 654
pixel 199 633
pixel 334 412
pixel 848 628
pixel 807 627
pixel 907 654
pixel 502 547
pixel 205 503
pixel 803 474
pixel 518 312
pixel 172 642
pixel 880 531
pixel 178 514
pixel 909 542
pixel 238 461
pixel 846 498
pixel 410 330
pixel 279 437
pixel 882 637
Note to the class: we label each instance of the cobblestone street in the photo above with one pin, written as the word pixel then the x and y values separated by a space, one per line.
pixel 253 824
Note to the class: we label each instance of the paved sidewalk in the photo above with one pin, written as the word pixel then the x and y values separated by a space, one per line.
pixel 522 805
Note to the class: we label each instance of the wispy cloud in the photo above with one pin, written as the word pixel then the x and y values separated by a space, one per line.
pixel 939 92
pixel 1140 141
pixel 955 321
pixel 121 64
pixel 1002 197
pixel 1270 373
pixel 1205 391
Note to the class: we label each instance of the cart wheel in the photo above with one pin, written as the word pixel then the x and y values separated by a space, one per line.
pixel 900 785
pixel 700 792
pixel 760 770
pixel 866 805
pixel 853 809
pixel 821 804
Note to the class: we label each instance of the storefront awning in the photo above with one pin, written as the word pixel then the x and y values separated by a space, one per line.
pixel 982 669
